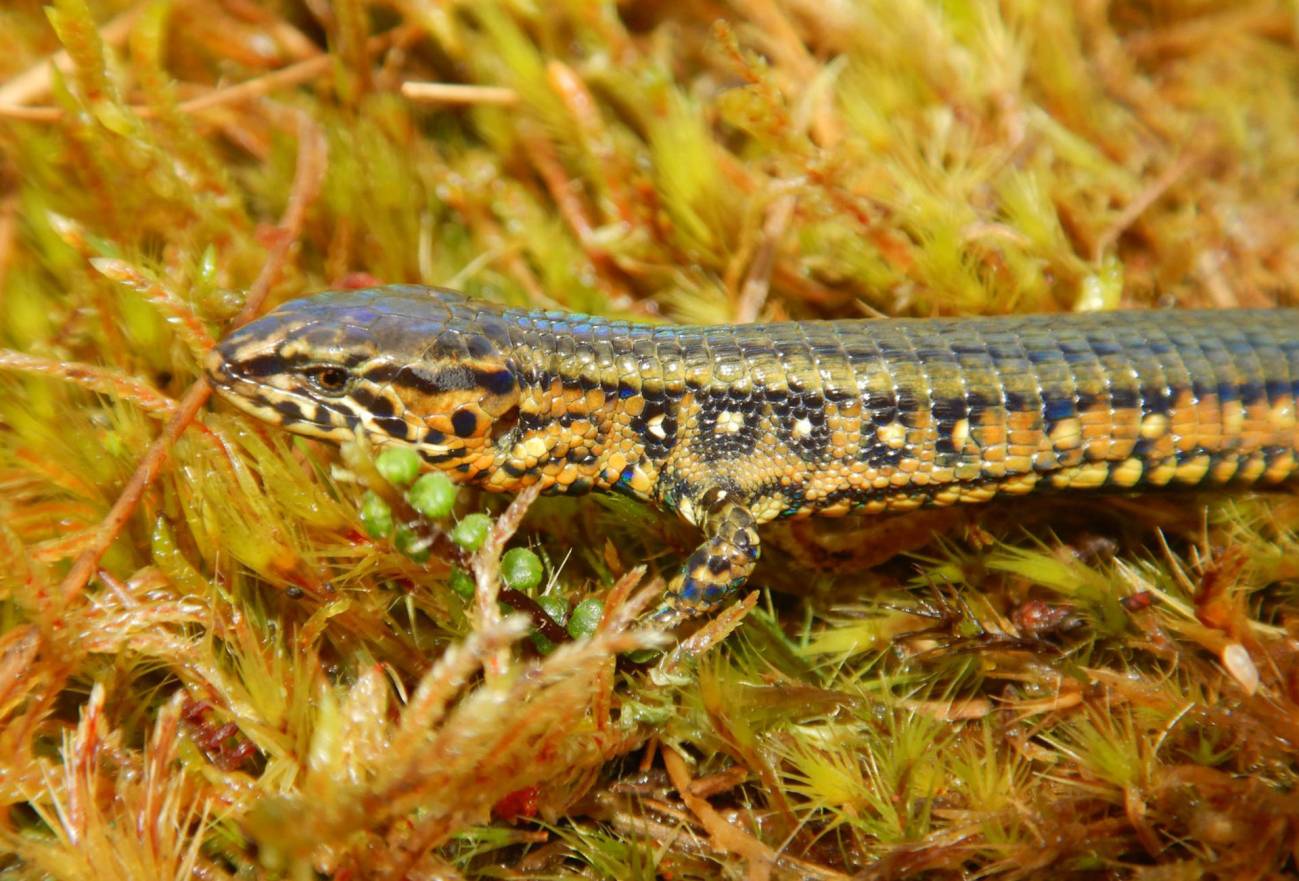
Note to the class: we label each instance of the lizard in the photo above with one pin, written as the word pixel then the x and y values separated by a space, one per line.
pixel 733 426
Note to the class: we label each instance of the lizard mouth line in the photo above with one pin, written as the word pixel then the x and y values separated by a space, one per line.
pixel 298 413
pixel 301 414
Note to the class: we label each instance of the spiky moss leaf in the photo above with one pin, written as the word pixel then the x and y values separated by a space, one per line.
pixel 79 34
pixel 25 38
pixel 176 132
pixel 610 854
pixel 295 534
pixel 1112 746
pixel 504 735
pixel 279 464
pixel 167 816
pixel 838 254
pixel 66 461
pixel 938 168
pixel 995 785
pixel 1093 590
pixel 163 204
pixel 510 58
pixel 170 558
pixel 379 188
pixel 28 320
pixel 273 689
pixel 563 266
pixel 227 510
pixel 876 777
pixel 347 38
pixel 691 181
pixel 860 634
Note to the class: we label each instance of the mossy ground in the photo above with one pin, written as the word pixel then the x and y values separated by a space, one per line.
pixel 207 669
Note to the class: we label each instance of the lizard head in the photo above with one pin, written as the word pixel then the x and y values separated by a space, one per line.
pixel 407 366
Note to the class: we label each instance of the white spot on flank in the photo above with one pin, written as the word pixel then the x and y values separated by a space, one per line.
pixel 803 427
pixel 728 422
pixel 656 426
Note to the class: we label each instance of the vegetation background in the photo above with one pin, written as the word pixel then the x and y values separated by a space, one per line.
pixel 209 669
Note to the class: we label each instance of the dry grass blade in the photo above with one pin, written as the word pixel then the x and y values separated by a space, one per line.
pixel 103 380
pixel 458 93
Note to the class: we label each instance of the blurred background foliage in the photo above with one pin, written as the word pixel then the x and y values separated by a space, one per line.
pixel 213 662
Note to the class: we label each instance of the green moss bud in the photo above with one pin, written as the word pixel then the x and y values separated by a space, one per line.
pixel 462 584
pixel 398 465
pixel 521 569
pixel 376 516
pixel 433 495
pixel 411 543
pixel 471 532
pixel 585 619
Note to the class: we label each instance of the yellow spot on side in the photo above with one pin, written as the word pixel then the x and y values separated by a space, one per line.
pixel 640 481
pixel 1225 469
pixel 1233 417
pixel 1092 475
pixel 1127 473
pixel 1088 476
pixel 1020 484
pixel 1162 474
pixel 1280 468
pixel 1066 434
pixel 535 447
pixel 687 511
pixel 1251 469
pixel 894 434
pixel 1154 426
pixel 1282 414
pixel 1193 470
pixel 978 493
pixel 960 434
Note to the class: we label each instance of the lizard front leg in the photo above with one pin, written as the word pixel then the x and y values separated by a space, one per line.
pixel 717 568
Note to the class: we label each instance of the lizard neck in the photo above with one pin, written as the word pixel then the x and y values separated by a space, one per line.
pixel 575 433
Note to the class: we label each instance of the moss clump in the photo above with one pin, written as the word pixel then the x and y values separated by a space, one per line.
pixel 227 652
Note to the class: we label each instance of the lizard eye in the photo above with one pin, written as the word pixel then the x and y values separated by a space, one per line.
pixel 329 379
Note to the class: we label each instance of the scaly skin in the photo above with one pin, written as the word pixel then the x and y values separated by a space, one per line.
pixel 733 426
